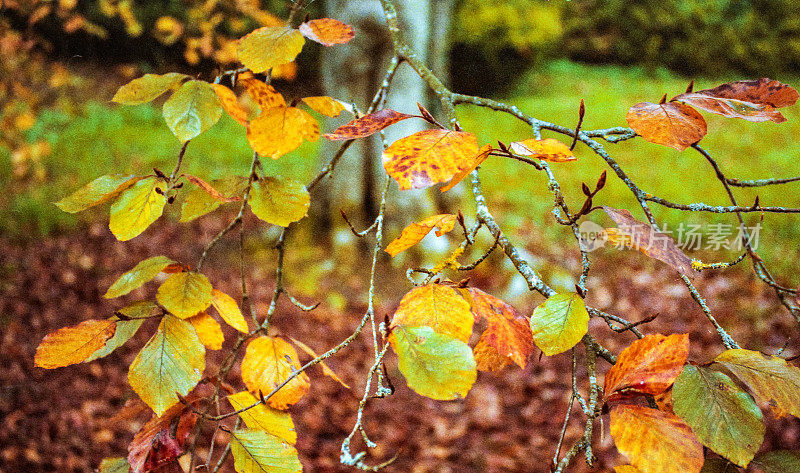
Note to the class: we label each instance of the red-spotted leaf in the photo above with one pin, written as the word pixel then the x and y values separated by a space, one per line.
pixel 327 31
pixel 752 100
pixel 414 233
pixel 468 166
pixel 507 333
pixel 648 366
pixel 367 125
pixel 263 94
pixel 671 124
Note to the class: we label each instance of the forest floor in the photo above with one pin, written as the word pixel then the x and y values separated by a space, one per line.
pixel 61 420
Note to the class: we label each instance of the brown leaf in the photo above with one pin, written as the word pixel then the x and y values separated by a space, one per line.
pixel 468 166
pixel 546 150
pixel 655 441
pixel 230 103
pixel 648 366
pixel 508 334
pixel 327 31
pixel 162 439
pixel 752 100
pixel 671 124
pixel 210 189
pixel 414 233
pixel 263 94
pixel 644 238
pixel 367 125
pixel 429 157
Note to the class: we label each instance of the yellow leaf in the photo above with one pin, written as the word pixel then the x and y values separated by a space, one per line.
pixel 263 94
pixel 325 368
pixel 327 106
pixel 468 166
pixel 70 345
pixel 185 294
pixel 428 157
pixel 147 88
pixel 279 201
pixel 280 130
pixel 208 330
pixel 100 190
pixel 437 306
pixel 327 31
pixel 546 150
pixel 559 323
pixel 261 417
pixel 137 208
pixel 230 103
pixel 255 451
pixel 269 46
pixel 267 363
pixel 229 310
pixel 414 233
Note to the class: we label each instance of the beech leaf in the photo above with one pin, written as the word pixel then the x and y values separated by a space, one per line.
pixel 267 363
pixel 255 451
pixel 279 201
pixel 137 208
pixel 114 465
pixel 230 103
pixel 468 166
pixel 671 124
pixel 192 110
pixel 70 345
pixel 507 335
pixel 261 417
pixel 367 125
pixel 128 320
pixel 199 202
pixel 327 31
pixel 262 93
pixel 229 310
pixel 161 440
pixel 648 366
pixel 269 47
pixel 100 190
pixel 208 331
pixel 325 368
pixel 327 106
pixel 414 233
pixel 143 272
pixel 146 88
pixel 437 306
pixel 185 294
pixel 547 150
pixel 559 323
pixel 280 130
pixel 752 100
pixel 778 461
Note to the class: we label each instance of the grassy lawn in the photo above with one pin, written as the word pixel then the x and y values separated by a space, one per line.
pixel 105 138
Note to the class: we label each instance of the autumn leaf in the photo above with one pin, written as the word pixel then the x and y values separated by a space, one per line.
pixel 325 369
pixel 255 451
pixel 367 125
pixel 718 465
pixel 263 94
pixel 261 417
pixel 114 465
pixel 507 334
pixel 185 294
pixel 655 441
pixel 146 88
pixel 280 130
pixel 127 320
pixel 437 306
pixel 435 365
pixel 198 202
pixel 279 201
pixel 770 378
pixel 229 310
pixel 468 166
pixel 752 100
pixel 230 103
pixel 267 363
pixel 171 362
pixel 648 366
pixel 546 150
pixel 671 124
pixel 137 208
pixel 210 190
pixel 626 469
pixel 268 47
pixel 208 330
pixel 327 106
pixel 778 461
pixel 723 417
pixel 161 440
pixel 100 190
pixel 192 110
pixel 428 157
pixel 559 323
pixel 143 272
pixel 327 31
pixel 70 345
pixel 414 233
pixel 654 244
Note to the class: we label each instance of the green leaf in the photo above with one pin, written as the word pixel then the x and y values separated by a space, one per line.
pixel 193 109
pixel 559 323
pixel 137 208
pixel 269 47
pixel 171 362
pixel 136 277
pixel 279 201
pixel 261 417
pixel 198 202
pixel 435 365
pixel 147 88
pixel 255 451
pixel 185 294
pixel 771 379
pixel 100 190
pixel 778 461
pixel 114 465
pixel 134 316
pixel 724 418
pixel 718 465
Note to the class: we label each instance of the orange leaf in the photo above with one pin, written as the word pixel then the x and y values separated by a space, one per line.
pixel 210 189
pixel 650 242
pixel 507 334
pixel 649 365
pixel 327 106
pixel 280 130
pixel 325 368
pixel 671 124
pixel 230 103
pixel 752 100
pixel 429 157
pixel 267 363
pixel 487 358
pixel 414 233
pixel 468 166
pixel 208 330
pixel 70 345
pixel 367 125
pixel 437 306
pixel 327 31
pixel 263 94
pixel 162 439
pixel 546 150
pixel 655 441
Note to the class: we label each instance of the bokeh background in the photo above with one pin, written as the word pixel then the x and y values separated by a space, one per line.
pixel 61 61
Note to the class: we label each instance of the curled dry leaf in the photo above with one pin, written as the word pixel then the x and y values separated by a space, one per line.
pixel 70 345
pixel 230 103
pixel 210 190
pixel 429 157
pixel 468 166
pixel 438 306
pixel 269 47
pixel 752 100
pixel 327 106
pixel 325 369
pixel 280 130
pixel 648 366
pixel 327 31
pixel 161 440
pixel 367 125
pixel 507 336
pixel 414 233
pixel 546 150
pixel 646 239
pixel 671 124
